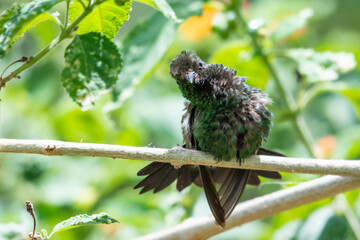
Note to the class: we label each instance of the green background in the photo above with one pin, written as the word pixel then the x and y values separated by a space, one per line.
pixel 37 107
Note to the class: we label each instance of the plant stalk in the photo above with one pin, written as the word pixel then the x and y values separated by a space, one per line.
pixel 66 33
pixel 298 119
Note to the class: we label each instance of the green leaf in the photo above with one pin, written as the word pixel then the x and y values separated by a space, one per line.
pixel 82 220
pixel 354 151
pixel 325 66
pixel 291 24
pixel 92 65
pixel 353 94
pixel 143 53
pixel 107 18
pixel 121 2
pixel 14 22
pixel 287 231
pixel 238 55
pixel 329 225
pixel 6 15
pixel 150 3
pixel 164 7
pixel 348 143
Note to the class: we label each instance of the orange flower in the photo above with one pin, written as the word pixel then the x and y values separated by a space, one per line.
pixel 197 28
pixel 324 147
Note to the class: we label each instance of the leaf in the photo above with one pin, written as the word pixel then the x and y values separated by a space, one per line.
pixel 238 55
pixel 6 15
pixel 92 65
pixel 164 7
pixel 107 18
pixel 143 53
pixel 325 66
pixel 354 151
pixel 348 143
pixel 40 18
pixel 291 24
pixel 14 22
pixel 150 3
pixel 82 220
pixel 353 94
pixel 329 225
pixel 287 231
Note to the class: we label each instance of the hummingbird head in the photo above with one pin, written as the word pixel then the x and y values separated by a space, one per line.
pixel 204 84
pixel 192 77
pixel 187 69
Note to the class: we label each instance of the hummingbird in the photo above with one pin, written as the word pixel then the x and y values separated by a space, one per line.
pixel 223 116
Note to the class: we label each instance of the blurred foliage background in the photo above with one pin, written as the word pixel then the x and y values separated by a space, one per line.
pixel 147 112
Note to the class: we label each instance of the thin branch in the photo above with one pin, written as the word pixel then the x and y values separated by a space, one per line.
pixel 30 209
pixel 259 208
pixel 66 33
pixel 66 20
pixel 179 156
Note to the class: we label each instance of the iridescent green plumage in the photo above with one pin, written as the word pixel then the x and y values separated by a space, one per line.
pixel 232 117
pixel 225 117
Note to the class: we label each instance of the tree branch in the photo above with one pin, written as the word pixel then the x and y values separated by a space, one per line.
pixel 259 208
pixel 179 156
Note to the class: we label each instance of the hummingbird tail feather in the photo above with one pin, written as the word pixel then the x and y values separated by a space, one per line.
pixel 232 188
pixel 212 195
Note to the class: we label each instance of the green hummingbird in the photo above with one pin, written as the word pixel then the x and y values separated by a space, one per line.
pixel 224 116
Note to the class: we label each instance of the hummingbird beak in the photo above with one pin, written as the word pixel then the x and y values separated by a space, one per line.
pixel 192 77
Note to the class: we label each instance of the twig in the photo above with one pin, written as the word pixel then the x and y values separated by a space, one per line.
pixel 30 209
pixel 180 156
pixel 66 33
pixel 23 59
pixel 259 208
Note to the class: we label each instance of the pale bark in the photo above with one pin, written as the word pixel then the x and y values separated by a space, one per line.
pixel 205 227
pixel 259 208
pixel 179 156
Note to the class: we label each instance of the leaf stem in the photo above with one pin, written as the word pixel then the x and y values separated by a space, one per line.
pixel 82 4
pixel 298 119
pixel 67 13
pixel 66 33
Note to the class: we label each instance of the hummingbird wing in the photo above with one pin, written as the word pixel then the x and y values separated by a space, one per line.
pixel 160 175
pixel 212 196
pixel 263 151
pixel 268 174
